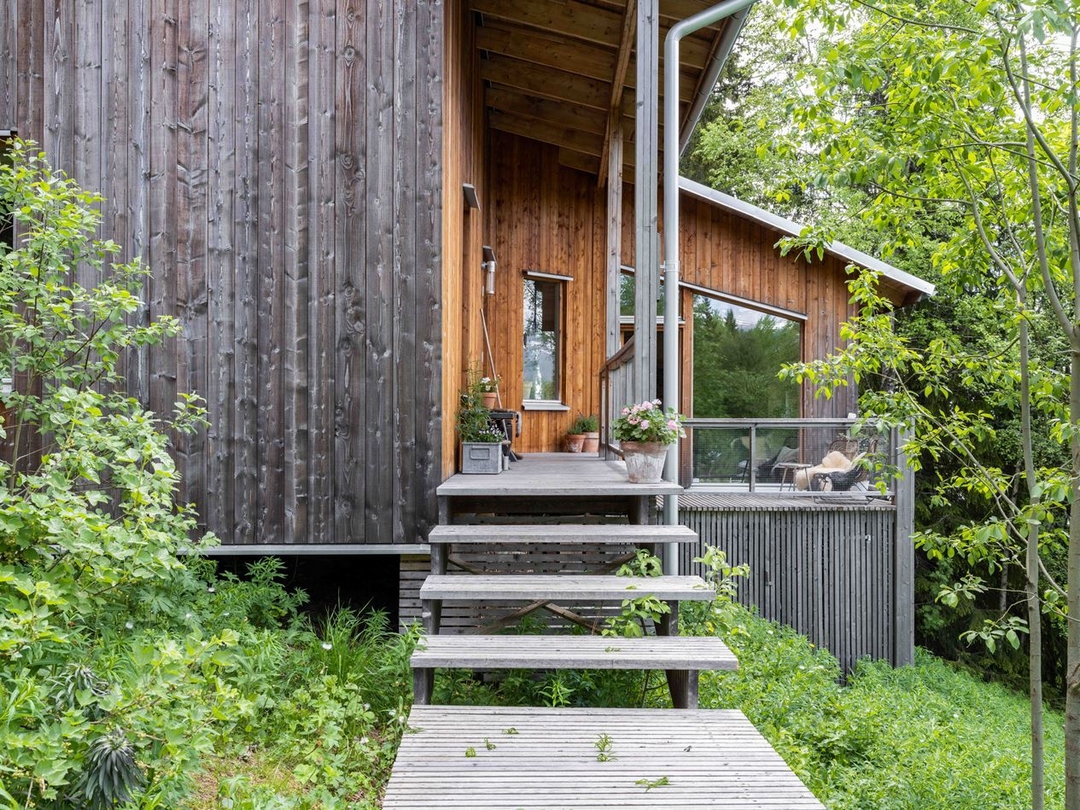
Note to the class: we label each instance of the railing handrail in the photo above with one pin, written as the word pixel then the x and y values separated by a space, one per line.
pixel 623 357
pixel 729 422
pixel 753 425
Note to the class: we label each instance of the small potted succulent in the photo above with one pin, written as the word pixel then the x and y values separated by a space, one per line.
pixel 644 432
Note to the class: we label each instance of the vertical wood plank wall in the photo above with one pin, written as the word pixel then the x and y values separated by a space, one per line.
pixel 547 217
pixel 279 166
pixel 828 572
pixel 463 228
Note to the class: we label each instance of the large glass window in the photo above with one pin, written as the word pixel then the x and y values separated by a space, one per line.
pixel 738 353
pixel 542 368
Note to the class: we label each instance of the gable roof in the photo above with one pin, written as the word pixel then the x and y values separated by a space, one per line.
pixel 911 288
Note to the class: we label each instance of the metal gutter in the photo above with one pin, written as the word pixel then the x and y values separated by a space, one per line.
pixel 712 74
pixel 671 232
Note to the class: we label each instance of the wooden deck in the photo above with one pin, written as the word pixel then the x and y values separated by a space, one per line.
pixel 554 475
pixel 485 758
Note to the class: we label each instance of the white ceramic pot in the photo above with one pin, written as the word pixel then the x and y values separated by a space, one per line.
pixel 644 461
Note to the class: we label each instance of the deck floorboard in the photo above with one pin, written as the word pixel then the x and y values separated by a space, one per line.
pixel 498 758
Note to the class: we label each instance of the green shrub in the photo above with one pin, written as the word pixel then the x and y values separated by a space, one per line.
pixel 109 688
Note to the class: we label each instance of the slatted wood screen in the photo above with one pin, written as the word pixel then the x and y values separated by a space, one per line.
pixel 827 572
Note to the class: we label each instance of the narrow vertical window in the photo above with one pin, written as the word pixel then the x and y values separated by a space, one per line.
pixel 7 233
pixel 542 338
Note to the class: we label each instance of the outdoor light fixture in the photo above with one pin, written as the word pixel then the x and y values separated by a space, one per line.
pixel 471 198
pixel 488 266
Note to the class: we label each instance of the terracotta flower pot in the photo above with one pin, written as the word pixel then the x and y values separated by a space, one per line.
pixel 489 399
pixel 644 461
pixel 574 442
pixel 592 443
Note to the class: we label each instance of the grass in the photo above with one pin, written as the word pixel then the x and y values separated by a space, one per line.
pixel 913 738
pixel 330 703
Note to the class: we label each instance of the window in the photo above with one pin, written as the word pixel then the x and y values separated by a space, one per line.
pixel 7 234
pixel 738 353
pixel 542 338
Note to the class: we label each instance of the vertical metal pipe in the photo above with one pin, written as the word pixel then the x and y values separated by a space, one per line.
pixel 671 234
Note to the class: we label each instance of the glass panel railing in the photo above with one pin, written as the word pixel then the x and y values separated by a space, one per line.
pixel 790 456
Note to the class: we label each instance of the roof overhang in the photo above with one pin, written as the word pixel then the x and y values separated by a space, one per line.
pixel 563 71
pixel 909 288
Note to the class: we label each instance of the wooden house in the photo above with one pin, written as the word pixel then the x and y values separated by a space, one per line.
pixel 322 188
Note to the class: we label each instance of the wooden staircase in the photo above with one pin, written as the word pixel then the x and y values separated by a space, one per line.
pixel 484 758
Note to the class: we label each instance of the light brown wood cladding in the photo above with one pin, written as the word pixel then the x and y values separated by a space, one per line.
pixel 547 217
pixel 278 164
pixel 463 228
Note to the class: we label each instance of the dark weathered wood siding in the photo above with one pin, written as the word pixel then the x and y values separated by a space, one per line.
pixel 278 164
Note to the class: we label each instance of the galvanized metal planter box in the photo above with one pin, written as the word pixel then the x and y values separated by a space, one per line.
pixel 481 458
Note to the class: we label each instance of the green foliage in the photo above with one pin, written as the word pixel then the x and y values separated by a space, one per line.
pixel 585 424
pixel 905 739
pixel 110 689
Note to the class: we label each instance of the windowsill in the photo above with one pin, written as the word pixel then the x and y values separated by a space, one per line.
pixel 543 405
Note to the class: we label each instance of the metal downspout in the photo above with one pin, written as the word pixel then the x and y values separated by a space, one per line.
pixel 671 235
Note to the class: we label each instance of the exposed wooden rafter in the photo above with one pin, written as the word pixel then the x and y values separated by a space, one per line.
pixel 564 71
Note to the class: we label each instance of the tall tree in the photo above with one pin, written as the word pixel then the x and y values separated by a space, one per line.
pixel 970 112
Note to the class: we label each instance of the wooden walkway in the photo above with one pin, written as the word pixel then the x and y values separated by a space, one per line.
pixel 482 758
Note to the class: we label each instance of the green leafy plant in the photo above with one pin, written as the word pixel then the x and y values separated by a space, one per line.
pixel 112 687
pixel 603 748
pixel 584 424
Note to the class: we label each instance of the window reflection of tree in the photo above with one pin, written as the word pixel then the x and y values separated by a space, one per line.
pixel 541 340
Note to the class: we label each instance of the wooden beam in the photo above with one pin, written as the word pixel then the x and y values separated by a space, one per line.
pixel 546 82
pixel 614 175
pixel 509 100
pixel 545 132
pixel 618 81
pixel 590 164
pixel 570 18
pixel 531 45
pixel 646 236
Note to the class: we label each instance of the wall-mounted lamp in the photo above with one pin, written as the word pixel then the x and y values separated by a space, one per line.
pixel 472 200
pixel 488 266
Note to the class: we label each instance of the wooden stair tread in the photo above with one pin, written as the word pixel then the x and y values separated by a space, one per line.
pixel 564 586
pixel 562 533
pixel 547 758
pixel 569 652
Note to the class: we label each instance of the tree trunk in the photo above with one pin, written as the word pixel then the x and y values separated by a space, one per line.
pixel 1072 667
pixel 1031 579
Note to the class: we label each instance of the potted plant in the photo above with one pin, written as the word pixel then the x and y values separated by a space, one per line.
pixel 644 431
pixel 485 388
pixel 583 435
pixel 481 441
pixel 575 437
pixel 590 429
pixel 489 391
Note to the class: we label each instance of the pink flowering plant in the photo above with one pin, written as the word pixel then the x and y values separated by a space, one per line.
pixel 649 422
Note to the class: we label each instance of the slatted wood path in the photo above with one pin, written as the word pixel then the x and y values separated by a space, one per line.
pixel 548 759
pixel 486 758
